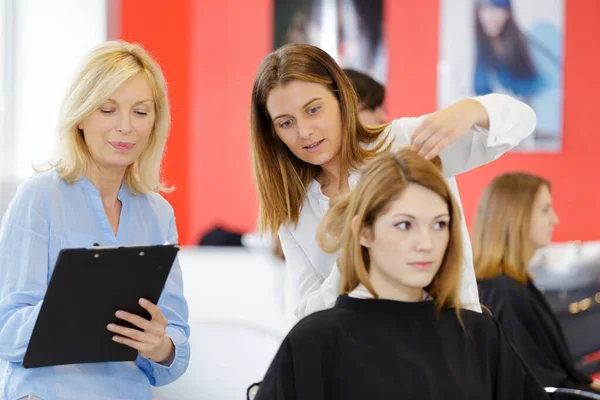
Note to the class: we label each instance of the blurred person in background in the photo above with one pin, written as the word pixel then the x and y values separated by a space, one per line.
pixel 515 218
pixel 371 96
pixel 524 64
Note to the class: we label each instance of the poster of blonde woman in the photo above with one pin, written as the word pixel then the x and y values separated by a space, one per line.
pixel 351 31
pixel 506 46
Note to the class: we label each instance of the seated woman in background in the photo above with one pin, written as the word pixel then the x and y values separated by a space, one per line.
pixel 371 95
pixel 397 329
pixel 515 218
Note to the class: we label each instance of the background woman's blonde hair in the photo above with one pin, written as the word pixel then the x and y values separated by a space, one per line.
pixel 101 73
pixel 502 224
pixel 281 177
pixel 383 181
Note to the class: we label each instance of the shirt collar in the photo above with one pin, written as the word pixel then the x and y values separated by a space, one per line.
pixel 86 184
pixel 361 292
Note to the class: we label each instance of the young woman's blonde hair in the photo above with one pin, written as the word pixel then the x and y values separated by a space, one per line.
pixel 502 226
pixel 101 73
pixel 281 177
pixel 383 180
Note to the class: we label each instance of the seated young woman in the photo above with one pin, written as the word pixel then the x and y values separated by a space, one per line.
pixel 514 219
pixel 398 329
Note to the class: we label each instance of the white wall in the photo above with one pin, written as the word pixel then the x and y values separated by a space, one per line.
pixel 239 313
pixel 5 69
pixel 49 38
pixel 3 79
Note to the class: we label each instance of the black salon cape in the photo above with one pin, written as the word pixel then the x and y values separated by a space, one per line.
pixel 529 323
pixel 382 349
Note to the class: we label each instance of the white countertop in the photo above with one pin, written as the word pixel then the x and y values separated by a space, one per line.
pixel 237 306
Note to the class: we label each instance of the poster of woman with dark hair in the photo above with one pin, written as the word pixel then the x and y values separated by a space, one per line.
pixel 506 46
pixel 351 31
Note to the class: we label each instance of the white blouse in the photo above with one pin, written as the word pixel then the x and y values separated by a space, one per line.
pixel 314 276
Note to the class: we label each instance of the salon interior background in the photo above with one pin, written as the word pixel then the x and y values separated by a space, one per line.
pixel 210 52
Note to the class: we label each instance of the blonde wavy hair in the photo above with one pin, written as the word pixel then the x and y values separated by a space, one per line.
pixel 100 74
pixel 502 225
pixel 281 177
pixel 383 181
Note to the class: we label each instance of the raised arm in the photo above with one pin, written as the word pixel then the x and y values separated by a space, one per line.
pixel 468 134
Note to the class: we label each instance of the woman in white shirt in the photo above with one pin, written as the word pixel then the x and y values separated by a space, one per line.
pixel 307 145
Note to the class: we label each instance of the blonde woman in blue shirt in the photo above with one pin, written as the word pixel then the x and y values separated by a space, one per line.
pixel 103 187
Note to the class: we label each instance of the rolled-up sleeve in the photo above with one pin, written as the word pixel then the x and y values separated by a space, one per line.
pixel 511 121
pixel 24 235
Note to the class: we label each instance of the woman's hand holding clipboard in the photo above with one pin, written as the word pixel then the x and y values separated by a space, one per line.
pixel 150 341
pixel 100 306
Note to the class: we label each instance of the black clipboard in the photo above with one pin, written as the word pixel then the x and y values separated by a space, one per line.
pixel 87 287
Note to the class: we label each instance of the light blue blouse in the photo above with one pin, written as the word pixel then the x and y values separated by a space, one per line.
pixel 47 215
